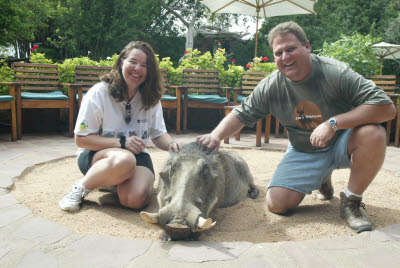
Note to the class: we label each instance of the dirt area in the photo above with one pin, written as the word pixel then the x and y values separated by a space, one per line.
pixel 43 186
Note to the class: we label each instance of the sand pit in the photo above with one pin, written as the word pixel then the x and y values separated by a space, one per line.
pixel 41 188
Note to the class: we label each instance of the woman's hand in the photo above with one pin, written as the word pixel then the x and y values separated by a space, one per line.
pixel 175 146
pixel 135 144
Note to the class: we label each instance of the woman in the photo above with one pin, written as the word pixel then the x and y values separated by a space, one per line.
pixel 115 121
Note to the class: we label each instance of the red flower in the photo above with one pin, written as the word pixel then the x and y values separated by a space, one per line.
pixel 219 50
pixel 35 46
pixel 265 59
pixel 233 60
pixel 33 49
pixel 186 52
pixel 248 65
pixel 219 42
pixel 274 60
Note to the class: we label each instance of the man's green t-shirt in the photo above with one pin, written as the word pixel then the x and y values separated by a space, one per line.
pixel 330 89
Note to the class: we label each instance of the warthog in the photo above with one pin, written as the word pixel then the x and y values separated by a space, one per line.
pixel 193 183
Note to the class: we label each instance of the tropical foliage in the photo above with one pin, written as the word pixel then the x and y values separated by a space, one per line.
pixel 85 30
pixel 356 51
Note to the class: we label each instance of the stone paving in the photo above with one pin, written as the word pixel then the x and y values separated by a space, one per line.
pixel 30 241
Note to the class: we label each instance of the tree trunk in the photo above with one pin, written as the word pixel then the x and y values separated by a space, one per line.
pixel 190 38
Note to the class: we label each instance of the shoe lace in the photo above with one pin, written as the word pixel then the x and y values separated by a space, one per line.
pixel 76 194
pixel 355 207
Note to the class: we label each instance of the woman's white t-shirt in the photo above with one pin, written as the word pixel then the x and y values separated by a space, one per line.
pixel 101 114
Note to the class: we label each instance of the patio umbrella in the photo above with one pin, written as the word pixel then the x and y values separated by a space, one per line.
pixel 261 8
pixel 387 51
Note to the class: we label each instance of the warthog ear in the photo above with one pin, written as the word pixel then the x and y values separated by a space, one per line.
pixel 164 174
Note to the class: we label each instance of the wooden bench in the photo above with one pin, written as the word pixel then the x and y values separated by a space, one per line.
pixel 40 88
pixel 86 77
pixel 203 91
pixel 388 84
pixel 172 99
pixel 7 102
pixel 249 81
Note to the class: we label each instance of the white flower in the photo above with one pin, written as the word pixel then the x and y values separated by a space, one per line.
pixel 108 58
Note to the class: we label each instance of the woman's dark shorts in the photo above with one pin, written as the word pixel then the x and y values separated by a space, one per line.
pixel 86 157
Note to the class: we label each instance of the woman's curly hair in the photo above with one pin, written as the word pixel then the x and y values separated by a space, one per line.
pixel 151 89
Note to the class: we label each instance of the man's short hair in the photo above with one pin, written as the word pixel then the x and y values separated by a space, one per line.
pixel 285 28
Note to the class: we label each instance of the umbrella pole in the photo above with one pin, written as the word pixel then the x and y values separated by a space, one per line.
pixel 255 52
pixel 381 65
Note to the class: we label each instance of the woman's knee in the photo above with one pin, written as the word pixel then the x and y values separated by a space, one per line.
pixel 136 200
pixel 122 161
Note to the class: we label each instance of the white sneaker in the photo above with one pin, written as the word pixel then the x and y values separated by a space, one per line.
pixel 73 198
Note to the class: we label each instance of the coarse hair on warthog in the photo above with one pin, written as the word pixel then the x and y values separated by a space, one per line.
pixel 193 183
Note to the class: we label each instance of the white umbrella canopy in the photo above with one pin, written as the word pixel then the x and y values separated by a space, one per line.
pixel 261 8
pixel 387 51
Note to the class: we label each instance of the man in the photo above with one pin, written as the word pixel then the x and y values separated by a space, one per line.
pixel 331 114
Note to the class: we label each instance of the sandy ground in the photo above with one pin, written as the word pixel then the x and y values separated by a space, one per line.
pixel 41 187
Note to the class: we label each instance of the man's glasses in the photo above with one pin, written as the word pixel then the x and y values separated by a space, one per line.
pixel 128 109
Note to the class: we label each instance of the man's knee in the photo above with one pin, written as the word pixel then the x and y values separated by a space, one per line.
pixel 279 200
pixel 368 136
pixel 371 133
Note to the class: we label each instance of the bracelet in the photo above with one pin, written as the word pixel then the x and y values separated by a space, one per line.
pixel 122 140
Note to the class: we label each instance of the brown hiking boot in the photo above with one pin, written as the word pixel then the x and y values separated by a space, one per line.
pixel 351 212
pixel 326 190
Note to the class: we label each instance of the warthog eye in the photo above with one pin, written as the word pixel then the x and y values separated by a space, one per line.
pixel 204 169
pixel 171 171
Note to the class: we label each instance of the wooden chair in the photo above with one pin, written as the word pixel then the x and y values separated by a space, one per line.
pixel 7 102
pixel 172 99
pixel 40 89
pixel 86 77
pixel 203 91
pixel 388 84
pixel 249 81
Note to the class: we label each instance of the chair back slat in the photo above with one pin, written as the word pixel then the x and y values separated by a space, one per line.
pixel 87 76
pixel 42 88
pixel 386 82
pixel 201 81
pixel 251 79
pixel 36 77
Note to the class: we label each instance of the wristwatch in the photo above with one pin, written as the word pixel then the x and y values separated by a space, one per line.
pixel 332 122
pixel 122 140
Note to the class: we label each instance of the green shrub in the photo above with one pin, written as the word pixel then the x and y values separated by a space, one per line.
pixel 232 77
pixel 66 70
pixel 39 58
pixel 110 61
pixel 260 64
pixel 6 75
pixel 356 51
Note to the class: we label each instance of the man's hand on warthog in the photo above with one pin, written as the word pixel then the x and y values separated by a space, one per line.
pixel 209 141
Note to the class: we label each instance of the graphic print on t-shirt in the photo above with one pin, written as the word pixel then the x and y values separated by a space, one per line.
pixel 307 115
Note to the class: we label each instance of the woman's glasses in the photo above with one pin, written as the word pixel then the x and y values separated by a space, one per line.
pixel 128 109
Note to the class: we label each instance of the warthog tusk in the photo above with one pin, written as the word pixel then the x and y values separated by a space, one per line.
pixel 203 229
pixel 203 223
pixel 149 217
